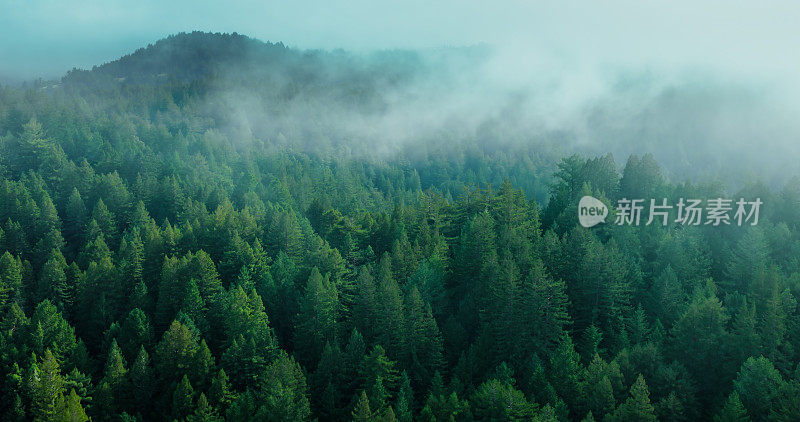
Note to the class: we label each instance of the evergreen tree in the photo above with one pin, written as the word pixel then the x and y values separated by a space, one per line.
pixel 316 322
pixel 183 399
pixel 52 282
pixel 697 337
pixel 71 409
pixel 758 384
pixel 405 400
pixel 283 391
pixel 219 392
pixel 542 316
pixel 389 320
pixel 361 411
pixel 203 412
pixel 637 407
pixel 495 400
pixel 732 411
pixel 10 280
pixel 565 371
pixel 423 339
pixel 175 352
pixel 142 382
pixel 115 376
pixel 45 387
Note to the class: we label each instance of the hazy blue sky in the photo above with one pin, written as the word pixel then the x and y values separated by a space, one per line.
pixel 46 37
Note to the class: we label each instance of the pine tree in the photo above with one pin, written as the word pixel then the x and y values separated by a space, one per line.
pixel 440 407
pixel 115 376
pixel 140 299
pixel 670 408
pixel 135 332
pixel 732 411
pixel 638 327
pixel 637 407
pixel 697 337
pixel 33 145
pixel 542 315
pixel 45 387
pixel 219 393
pixel 10 280
pixel 105 221
pixel 389 320
pixel 748 258
pixel 597 387
pixel 183 399
pixel 142 382
pixel 16 412
pixel 208 283
pixel 565 371
pixel 423 339
pixel 316 322
pixel 365 307
pixel 592 338
pixel 203 366
pixel 534 382
pixel 285 234
pixel 192 305
pixel 75 219
pixel 379 376
pixel 52 282
pixel 51 331
pixel 499 307
pixel 176 352
pixel 405 400
pixel 203 412
pixel 668 296
pixel 354 354
pixel 361 411
pixel 745 338
pixel 284 391
pixel 404 261
pixel 329 373
pixel 131 255
pixel 71 409
pixel 495 400
pixel 758 384
pixel 475 255
pixel 641 177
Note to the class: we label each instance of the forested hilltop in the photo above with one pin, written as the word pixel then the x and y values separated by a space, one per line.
pixel 175 244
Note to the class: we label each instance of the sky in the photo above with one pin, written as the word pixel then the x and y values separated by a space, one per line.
pixel 45 38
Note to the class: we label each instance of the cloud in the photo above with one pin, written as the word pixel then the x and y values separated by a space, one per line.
pixel 704 85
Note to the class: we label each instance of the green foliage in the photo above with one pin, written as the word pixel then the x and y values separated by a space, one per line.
pixel 495 400
pixel 182 399
pixel 637 407
pixel 758 385
pixel 45 387
pixel 316 322
pixel 283 392
pixel 732 411
pixel 160 261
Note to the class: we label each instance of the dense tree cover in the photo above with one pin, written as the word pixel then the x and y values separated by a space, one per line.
pixel 153 267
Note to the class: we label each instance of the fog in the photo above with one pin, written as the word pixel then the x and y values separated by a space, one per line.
pixel 710 89
pixel 700 122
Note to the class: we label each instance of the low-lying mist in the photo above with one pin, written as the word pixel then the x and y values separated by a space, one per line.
pixel 697 122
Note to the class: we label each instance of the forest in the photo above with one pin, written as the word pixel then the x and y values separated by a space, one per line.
pixel 167 254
